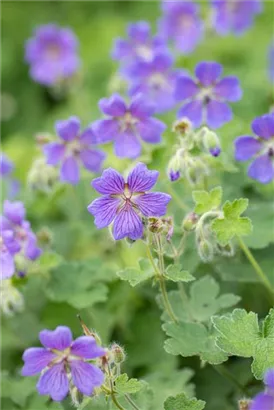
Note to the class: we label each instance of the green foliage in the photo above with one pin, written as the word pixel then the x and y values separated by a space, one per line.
pixel 17 389
pixel 231 223
pixel 176 274
pixel 239 334
pixel 124 385
pixel 135 276
pixel 207 201
pixel 181 402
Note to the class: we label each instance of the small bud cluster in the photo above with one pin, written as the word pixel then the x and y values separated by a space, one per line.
pixel 42 177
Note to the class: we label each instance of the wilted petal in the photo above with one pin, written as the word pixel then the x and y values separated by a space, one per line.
pixel 208 72
pixel 150 130
pixel 54 382
pixel 246 147
pixel 92 159
pixel 153 203
pixel 104 210
pixel 68 129
pixel 217 113
pixel 85 376
pixel 113 106
pixel 14 211
pixel 86 347
pixel 229 89
pixel 127 145
pixel 53 152
pixel 111 182
pixel 36 359
pixel 140 179
pixel 264 126
pixel 193 111
pixel 59 339
pixel 261 169
pixel 7 264
pixel 70 171
pixel 185 88
pixel 105 130
pixel 127 224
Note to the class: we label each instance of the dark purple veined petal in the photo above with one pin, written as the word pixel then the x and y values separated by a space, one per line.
pixel 105 130
pixel 153 203
pixel 263 401
pixel 104 210
pixel 264 126
pixel 185 88
pixel 92 159
pixel 69 171
pixel 150 130
pixel 110 182
pixel 7 264
pixel 14 211
pixel 127 224
pixel 54 382
pixel 140 179
pixel 36 359
pixel 54 152
pixel 114 106
pixel 246 147
pixel 193 111
pixel 217 114
pixel 262 169
pixel 86 347
pixel 208 72
pixel 86 376
pixel 228 88
pixel 59 339
pixel 127 145
pixel 68 129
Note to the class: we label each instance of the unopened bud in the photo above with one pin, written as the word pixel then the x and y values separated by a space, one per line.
pixel 21 263
pixel 11 300
pixel 89 332
pixel 155 225
pixel 174 175
pixel 195 170
pixel 117 353
pixel 205 250
pixel 182 126
pixel 42 176
pixel 190 221
pixel 45 236
pixel 210 142
pixel 226 250
pixel 174 168
pixel 244 404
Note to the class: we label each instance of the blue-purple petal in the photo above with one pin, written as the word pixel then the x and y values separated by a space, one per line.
pixel 68 129
pixel 208 72
pixel 86 347
pixel 246 147
pixel 127 145
pixel 36 359
pixel 262 401
pixel 185 88
pixel 69 171
pixel 193 111
pixel 7 264
pixel 110 182
pixel 105 130
pixel 88 136
pixel 217 114
pixel 140 179
pixel 114 106
pixel 14 211
pixel 150 130
pixel 153 203
pixel 54 152
pixel 264 126
pixel 54 382
pixel 140 107
pixel 262 169
pixel 6 165
pixel 104 210
pixel 228 88
pixel 92 159
pixel 127 224
pixel 86 376
pixel 60 338
pixel 269 378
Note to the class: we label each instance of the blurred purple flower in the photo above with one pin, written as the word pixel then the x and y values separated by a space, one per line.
pixel 140 45
pixel 271 62
pixel 6 165
pixel 74 148
pixel 52 54
pixel 261 148
pixel 128 125
pixel 207 95
pixel 124 203
pixel 234 16
pixel 182 24
pixel 155 80
pixel 60 357
pixel 6 169
pixel 265 400
pixel 8 248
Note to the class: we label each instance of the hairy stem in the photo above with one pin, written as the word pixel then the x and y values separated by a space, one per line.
pixel 129 399
pixel 115 401
pixel 176 197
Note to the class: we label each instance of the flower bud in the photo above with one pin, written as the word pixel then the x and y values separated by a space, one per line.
pixel 117 353
pixel 182 126
pixel 21 264
pixel 190 221
pixel 42 176
pixel 174 168
pixel 205 250
pixel 211 142
pixel 45 236
pixel 195 170
pixel 227 250
pixel 244 404
pixel 11 300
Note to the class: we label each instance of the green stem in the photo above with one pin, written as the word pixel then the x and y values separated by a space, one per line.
pixel 222 370
pixel 134 405
pixel 256 266
pixel 115 401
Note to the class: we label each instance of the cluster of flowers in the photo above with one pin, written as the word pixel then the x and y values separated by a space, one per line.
pixel 18 242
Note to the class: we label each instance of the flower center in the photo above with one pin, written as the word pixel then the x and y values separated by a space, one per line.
pixel 127 122
pixel 74 147
pixel 158 81
pixel 144 51
pixel 205 94
pixel 185 21
pixel 53 52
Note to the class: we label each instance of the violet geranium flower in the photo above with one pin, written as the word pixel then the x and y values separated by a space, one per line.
pixel 265 400
pixel 74 147
pixel 235 16
pixel 8 248
pixel 260 148
pixel 62 358
pixel 182 24
pixel 52 54
pixel 206 96
pixel 155 80
pixel 128 125
pixel 124 203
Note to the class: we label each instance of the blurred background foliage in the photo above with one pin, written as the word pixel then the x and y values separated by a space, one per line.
pixel 117 311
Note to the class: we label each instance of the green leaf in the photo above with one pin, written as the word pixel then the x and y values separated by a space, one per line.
pixel 239 334
pixel 124 385
pixel 49 260
pixel 17 389
pixel 207 201
pixel 231 223
pixel 174 273
pixel 181 402
pixel 262 216
pixel 135 276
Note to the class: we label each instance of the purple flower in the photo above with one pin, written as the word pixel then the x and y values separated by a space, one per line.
pixel 128 125
pixel 140 45
pixel 265 400
pixel 62 358
pixel 207 95
pixel 8 248
pixel 52 54
pixel 174 175
pixel 271 62
pixel 6 165
pixel 261 148
pixel 182 24
pixel 75 147
pixel 234 16
pixel 155 80
pixel 124 203
pixel 6 169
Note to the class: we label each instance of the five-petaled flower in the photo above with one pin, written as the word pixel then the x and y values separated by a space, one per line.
pixel 52 54
pixel 128 125
pixel 234 16
pixel 182 24
pixel 61 360
pixel 207 95
pixel 74 147
pixel 265 400
pixel 124 203
pixel 261 148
